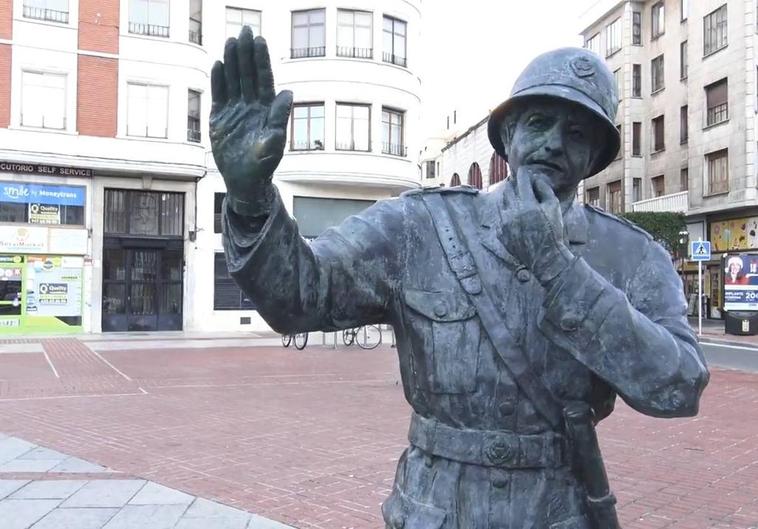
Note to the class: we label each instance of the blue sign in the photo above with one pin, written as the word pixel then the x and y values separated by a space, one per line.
pixel 700 250
pixel 19 193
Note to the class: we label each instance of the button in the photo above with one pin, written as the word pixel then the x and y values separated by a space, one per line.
pixel 523 275
pixel 428 461
pixel 499 483
pixel 440 309
pixel 570 322
pixel 499 452
pixel 507 407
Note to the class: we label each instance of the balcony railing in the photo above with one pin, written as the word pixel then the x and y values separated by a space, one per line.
pixel 395 59
pixel 351 146
pixel 315 145
pixel 148 29
pixel 193 130
pixel 302 53
pixel 195 32
pixel 40 13
pixel 356 53
pixel 675 202
pixel 394 149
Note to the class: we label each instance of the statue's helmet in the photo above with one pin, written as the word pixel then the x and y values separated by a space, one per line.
pixel 570 74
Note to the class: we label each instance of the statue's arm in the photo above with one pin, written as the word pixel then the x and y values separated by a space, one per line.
pixel 344 278
pixel 639 342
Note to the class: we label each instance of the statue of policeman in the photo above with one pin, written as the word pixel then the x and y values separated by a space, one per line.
pixel 519 314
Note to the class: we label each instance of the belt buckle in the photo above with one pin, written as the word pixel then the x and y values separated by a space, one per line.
pixel 499 451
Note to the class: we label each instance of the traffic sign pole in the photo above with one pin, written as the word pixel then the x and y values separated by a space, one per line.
pixel 700 298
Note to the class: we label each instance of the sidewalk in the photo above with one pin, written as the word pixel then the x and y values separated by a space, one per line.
pixel 713 331
pixel 44 489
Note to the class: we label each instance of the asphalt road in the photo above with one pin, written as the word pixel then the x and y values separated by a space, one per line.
pixel 744 358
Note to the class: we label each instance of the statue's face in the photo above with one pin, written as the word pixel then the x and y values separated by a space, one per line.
pixel 561 138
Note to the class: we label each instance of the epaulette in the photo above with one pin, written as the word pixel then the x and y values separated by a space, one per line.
pixel 620 220
pixel 469 190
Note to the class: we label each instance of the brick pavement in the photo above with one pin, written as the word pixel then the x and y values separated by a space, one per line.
pixel 311 438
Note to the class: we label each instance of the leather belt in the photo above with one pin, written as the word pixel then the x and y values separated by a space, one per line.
pixel 486 447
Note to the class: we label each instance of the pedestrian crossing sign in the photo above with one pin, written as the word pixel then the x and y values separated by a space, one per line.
pixel 700 250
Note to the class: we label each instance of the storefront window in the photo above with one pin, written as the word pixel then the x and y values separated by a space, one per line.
pixel 144 213
pixel 41 204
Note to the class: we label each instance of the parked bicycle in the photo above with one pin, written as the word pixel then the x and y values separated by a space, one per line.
pixel 300 339
pixel 367 337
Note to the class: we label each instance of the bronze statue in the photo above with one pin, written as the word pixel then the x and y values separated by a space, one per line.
pixel 519 314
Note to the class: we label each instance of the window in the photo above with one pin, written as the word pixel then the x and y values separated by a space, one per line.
pixel 656 74
pixel 237 18
pixel 431 167
pixel 684 179
pixel 498 168
pixel 637 138
pixel 717 165
pixel 717 102
pixel 392 132
pixel 307 127
pixel 593 43
pixel 193 116
pixel 43 100
pixel 353 127
pixel 308 34
pixel 684 9
pixel 636 80
pixel 684 124
pixel 636 28
pixel 51 10
pixel 636 189
pixel 620 152
pixel 149 17
pixel 144 213
pixel 354 34
pixel 475 176
pixel 455 180
pixel 613 37
pixel 715 31
pixel 196 21
pixel 683 62
pixel 657 20
pixel 593 197
pixel 218 212
pixel 617 82
pixel 147 110
pixel 226 294
pixel 614 197
pixel 659 186
pixel 658 134
pixel 395 46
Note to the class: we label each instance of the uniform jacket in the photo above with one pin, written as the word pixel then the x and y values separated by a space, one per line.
pixel 614 323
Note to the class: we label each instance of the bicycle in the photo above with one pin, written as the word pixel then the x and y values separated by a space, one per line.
pixel 300 339
pixel 367 337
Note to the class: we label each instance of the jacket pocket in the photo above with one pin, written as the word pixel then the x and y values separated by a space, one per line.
pixel 452 353
pixel 400 511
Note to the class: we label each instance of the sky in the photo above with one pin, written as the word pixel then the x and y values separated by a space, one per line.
pixel 473 50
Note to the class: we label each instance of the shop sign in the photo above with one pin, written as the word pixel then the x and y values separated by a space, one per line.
pixel 734 234
pixel 44 213
pixel 38 168
pixel 23 239
pixel 54 286
pixel 21 193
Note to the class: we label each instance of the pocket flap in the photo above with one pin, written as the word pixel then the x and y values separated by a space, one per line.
pixel 440 306
pixel 400 511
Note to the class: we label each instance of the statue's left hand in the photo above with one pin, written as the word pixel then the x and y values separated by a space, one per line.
pixel 533 225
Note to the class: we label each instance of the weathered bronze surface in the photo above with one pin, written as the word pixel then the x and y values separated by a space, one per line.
pixel 519 314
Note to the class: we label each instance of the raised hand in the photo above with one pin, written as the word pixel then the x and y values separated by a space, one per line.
pixel 533 225
pixel 248 125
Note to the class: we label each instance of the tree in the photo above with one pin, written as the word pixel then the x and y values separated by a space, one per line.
pixel 664 226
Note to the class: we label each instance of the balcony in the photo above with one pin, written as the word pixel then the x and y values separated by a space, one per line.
pixel 148 29
pixel 39 13
pixel 303 53
pixel 394 149
pixel 394 59
pixel 675 202
pixel 355 53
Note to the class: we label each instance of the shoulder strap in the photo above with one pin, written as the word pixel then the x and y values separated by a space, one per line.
pixel 463 265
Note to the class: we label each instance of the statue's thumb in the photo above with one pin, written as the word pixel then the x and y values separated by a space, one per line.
pixel 279 113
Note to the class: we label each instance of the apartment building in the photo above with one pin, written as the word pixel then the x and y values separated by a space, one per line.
pixel 686 74
pixel 109 197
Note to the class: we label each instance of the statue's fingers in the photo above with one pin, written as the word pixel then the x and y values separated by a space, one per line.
pixel 218 86
pixel 264 76
pixel 509 193
pixel 231 69
pixel 246 58
pixel 280 110
pixel 543 191
pixel 524 187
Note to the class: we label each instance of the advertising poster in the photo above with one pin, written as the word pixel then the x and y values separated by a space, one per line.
pixel 54 286
pixel 44 213
pixel 741 282
pixel 735 234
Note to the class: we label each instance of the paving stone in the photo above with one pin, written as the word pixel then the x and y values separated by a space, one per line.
pixel 74 464
pixel 21 514
pixel 9 486
pixel 28 465
pixel 12 447
pixel 155 494
pixel 147 517
pixel 259 522
pixel 206 514
pixel 49 490
pixel 105 493
pixel 84 518
pixel 44 453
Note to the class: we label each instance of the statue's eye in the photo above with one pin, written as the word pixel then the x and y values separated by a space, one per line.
pixel 536 120
pixel 576 133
